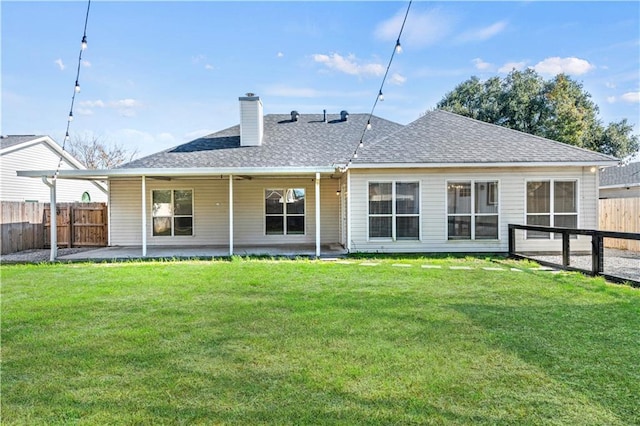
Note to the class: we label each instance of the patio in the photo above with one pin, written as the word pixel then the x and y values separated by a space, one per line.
pixel 201 252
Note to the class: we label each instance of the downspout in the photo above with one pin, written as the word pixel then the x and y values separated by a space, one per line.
pixel 348 195
pixel 53 218
pixel 230 215
pixel 144 216
pixel 317 214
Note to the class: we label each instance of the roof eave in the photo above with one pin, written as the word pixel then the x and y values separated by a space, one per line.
pixel 176 172
pixel 476 165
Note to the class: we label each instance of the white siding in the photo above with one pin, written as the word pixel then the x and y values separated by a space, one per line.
pixel 211 211
pixel 433 191
pixel 40 156
pixel 626 192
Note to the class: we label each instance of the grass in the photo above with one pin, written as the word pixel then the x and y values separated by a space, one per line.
pixel 307 342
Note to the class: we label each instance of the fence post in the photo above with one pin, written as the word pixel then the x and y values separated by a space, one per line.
pixel 597 254
pixel 512 240
pixel 70 228
pixel 566 257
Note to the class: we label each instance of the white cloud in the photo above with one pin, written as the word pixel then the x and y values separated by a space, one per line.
pixel 481 34
pixel 397 79
pixel 198 58
pixel 611 99
pixel 86 63
pixel 422 28
pixel 610 85
pixel 295 92
pixel 209 67
pixel 349 65
pixel 481 65
pixel 93 104
pixel 556 65
pixel 84 111
pixel 125 107
pixel 510 66
pixel 280 55
pixel 632 97
pixel 124 103
pixel 60 64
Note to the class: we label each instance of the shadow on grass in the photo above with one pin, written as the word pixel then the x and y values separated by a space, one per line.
pixel 592 348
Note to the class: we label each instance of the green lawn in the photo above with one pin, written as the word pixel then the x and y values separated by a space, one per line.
pixel 312 342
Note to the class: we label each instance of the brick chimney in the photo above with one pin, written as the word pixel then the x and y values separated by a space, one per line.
pixel 251 120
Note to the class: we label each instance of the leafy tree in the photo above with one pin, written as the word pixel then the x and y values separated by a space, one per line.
pixel 558 109
pixel 94 153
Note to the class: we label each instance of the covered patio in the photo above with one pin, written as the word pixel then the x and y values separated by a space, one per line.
pixel 120 253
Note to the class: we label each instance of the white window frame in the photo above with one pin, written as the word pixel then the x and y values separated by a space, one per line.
pixel 393 213
pixel 173 215
pixel 552 213
pixel 284 213
pixel 473 214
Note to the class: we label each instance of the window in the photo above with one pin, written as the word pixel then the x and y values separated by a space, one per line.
pixel 284 211
pixel 551 203
pixel 472 210
pixel 172 212
pixel 394 210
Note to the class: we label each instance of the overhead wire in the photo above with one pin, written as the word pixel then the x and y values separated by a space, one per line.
pixel 380 95
pixel 76 90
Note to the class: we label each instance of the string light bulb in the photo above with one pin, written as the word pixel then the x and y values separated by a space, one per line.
pixel 361 144
pixel 84 42
pixel 368 124
pixel 70 115
pixel 355 154
pixel 380 96
pixel 66 137
pixel 77 88
pixel 398 46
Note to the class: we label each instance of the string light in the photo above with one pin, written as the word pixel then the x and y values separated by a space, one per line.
pixel 380 97
pixel 76 90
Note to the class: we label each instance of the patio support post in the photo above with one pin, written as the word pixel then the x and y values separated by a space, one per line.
pixel 53 218
pixel 317 214
pixel 230 215
pixel 144 216
pixel 348 211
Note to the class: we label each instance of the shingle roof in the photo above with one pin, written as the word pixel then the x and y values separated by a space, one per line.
pixel 308 142
pixel 444 137
pixel 626 175
pixel 11 140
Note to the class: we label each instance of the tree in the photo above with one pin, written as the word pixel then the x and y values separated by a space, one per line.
pixel 558 109
pixel 93 153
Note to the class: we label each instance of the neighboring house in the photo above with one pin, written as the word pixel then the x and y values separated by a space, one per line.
pixel 620 182
pixel 443 183
pixel 30 152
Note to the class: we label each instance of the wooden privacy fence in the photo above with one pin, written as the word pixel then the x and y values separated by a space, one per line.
pixel 620 215
pixel 27 225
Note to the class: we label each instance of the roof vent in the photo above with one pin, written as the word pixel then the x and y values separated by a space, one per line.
pixel 344 115
pixel 294 115
pixel 250 95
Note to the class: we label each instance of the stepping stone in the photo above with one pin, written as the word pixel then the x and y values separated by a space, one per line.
pixel 401 265
pixel 543 268
pixel 432 266
pixel 461 267
pixel 369 264
pixel 493 269
pixel 516 270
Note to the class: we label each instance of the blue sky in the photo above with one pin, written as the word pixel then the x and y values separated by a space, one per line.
pixel 157 74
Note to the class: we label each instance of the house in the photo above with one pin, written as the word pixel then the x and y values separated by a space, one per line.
pixel 620 182
pixel 443 183
pixel 41 152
